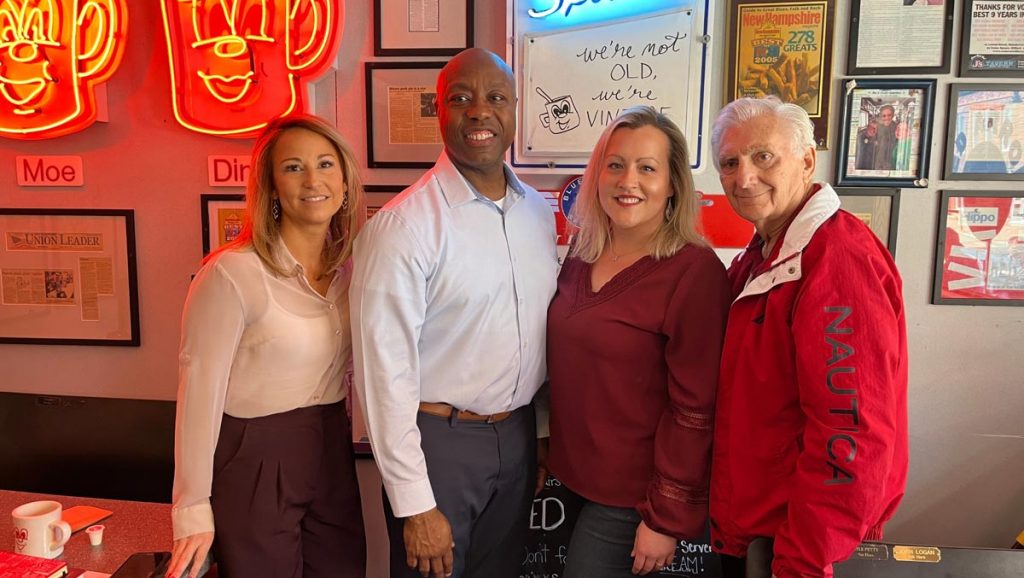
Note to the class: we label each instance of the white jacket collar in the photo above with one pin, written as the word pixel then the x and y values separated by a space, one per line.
pixel 786 266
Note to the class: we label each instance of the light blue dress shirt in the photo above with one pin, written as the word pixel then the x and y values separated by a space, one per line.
pixel 449 304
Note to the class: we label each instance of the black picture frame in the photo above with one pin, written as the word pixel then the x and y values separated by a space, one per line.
pixel 964 267
pixel 408 80
pixel 759 62
pixel 985 132
pixel 894 22
pixel 1008 59
pixel 378 195
pixel 69 277
pixel 879 209
pixel 211 204
pixel 901 157
pixel 440 34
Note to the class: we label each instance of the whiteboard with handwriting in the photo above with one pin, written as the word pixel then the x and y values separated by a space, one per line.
pixel 576 81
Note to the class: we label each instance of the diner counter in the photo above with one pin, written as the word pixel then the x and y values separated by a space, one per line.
pixel 133 527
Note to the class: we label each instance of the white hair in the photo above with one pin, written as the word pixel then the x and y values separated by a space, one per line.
pixel 790 116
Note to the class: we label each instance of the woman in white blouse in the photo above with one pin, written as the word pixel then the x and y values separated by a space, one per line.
pixel 262 446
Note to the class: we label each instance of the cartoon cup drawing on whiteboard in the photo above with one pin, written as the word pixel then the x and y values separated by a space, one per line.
pixel 561 114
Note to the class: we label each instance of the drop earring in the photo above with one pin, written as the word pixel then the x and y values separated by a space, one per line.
pixel 275 210
pixel 344 205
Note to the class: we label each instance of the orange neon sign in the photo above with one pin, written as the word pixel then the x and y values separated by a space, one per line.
pixel 53 53
pixel 238 64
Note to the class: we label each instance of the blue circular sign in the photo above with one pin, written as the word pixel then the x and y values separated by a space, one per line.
pixel 568 198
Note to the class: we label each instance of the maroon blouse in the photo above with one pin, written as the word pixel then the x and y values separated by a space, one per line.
pixel 633 370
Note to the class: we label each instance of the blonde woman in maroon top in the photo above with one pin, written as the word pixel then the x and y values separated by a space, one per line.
pixel 634 339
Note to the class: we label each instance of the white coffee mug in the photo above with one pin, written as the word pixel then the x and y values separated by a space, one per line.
pixel 38 529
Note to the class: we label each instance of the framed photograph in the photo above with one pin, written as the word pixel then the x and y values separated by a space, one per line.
pixel 402 130
pixel 223 217
pixel 784 49
pixel 979 259
pixel 900 37
pixel 886 133
pixel 879 209
pixel 985 133
pixel 992 39
pixel 422 27
pixel 378 195
pixel 68 277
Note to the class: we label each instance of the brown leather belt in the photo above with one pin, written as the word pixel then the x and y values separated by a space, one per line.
pixel 445 410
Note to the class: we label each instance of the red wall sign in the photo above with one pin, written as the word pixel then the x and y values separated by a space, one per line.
pixel 53 53
pixel 238 64
pixel 50 171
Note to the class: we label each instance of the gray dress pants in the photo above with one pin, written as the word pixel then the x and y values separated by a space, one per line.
pixel 483 476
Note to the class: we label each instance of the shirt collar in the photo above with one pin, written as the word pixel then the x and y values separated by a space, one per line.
pixel 285 258
pixel 457 190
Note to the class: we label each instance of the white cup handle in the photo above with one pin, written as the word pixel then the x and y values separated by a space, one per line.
pixel 62 533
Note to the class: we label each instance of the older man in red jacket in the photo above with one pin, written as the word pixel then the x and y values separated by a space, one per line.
pixel 811 422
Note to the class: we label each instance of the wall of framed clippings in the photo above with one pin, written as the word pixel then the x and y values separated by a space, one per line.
pixel 965 378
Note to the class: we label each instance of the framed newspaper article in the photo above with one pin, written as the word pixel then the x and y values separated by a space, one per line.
pixel 422 27
pixel 223 217
pixel 879 209
pixel 783 49
pixel 979 258
pixel 900 37
pixel 992 39
pixel 886 133
pixel 378 195
pixel 68 277
pixel 402 130
pixel 985 132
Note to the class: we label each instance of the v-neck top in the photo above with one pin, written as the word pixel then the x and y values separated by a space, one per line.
pixel 633 370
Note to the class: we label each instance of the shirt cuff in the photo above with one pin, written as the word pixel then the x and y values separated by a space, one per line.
pixel 193 519
pixel 410 499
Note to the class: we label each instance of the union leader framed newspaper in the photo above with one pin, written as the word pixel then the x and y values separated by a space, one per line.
pixel 68 277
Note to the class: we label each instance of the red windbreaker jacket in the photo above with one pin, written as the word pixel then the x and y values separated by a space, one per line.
pixel 811 421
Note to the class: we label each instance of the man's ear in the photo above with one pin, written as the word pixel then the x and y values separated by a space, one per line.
pixel 101 38
pixel 314 32
pixel 810 161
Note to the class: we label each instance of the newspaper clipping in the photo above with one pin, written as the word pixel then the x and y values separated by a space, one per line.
pixel 412 115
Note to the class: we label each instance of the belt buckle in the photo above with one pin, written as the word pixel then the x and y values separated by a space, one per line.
pixel 490 418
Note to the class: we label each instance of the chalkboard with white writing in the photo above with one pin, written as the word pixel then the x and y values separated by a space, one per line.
pixel 551 521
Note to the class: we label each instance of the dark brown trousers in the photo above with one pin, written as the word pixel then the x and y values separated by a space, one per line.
pixel 285 497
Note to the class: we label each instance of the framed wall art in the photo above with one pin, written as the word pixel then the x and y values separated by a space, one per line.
pixel 401 118
pixel 900 37
pixel 68 277
pixel 223 217
pixel 886 133
pixel 879 209
pixel 979 259
pixel 578 67
pixel 985 133
pixel 783 49
pixel 422 27
pixel 992 39
pixel 378 195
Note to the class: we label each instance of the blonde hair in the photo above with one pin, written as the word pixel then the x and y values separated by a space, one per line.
pixel 261 232
pixel 680 226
